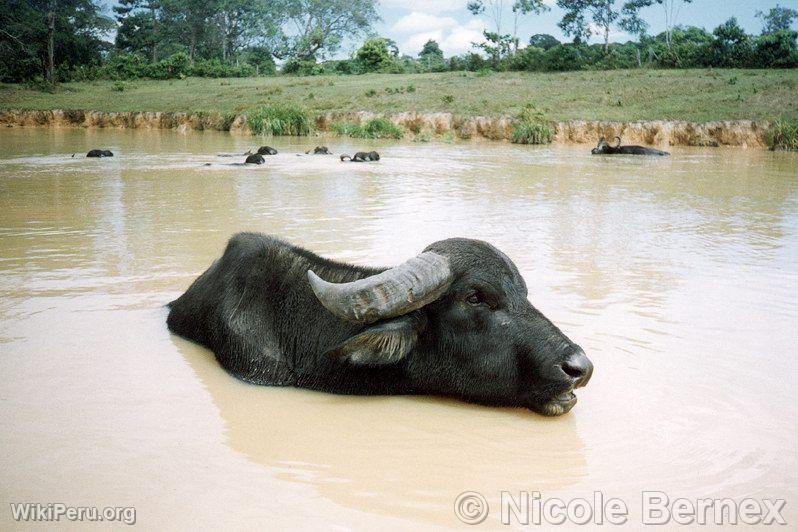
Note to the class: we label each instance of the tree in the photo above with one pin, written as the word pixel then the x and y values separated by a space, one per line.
pixel 731 46
pixel 243 22
pixel 777 19
pixel 142 26
pixel 633 23
pixel 374 55
pixel 496 9
pixel 193 24
pixel 574 22
pixel 42 37
pixel 496 45
pixel 543 41
pixel 321 25
pixel 431 56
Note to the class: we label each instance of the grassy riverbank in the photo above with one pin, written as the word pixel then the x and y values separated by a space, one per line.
pixel 620 95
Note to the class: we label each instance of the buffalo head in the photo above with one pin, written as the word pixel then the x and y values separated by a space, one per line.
pixel 458 318
pixel 604 147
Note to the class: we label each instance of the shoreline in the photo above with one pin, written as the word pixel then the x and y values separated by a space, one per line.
pixel 426 126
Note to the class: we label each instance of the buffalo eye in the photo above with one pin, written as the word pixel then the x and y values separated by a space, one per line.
pixel 479 299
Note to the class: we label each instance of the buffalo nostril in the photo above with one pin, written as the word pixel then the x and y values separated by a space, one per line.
pixel 572 371
pixel 578 367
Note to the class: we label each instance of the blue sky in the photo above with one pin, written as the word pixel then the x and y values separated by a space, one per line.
pixel 411 22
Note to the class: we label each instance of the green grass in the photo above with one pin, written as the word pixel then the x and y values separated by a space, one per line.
pixel 532 127
pixel 783 135
pixel 377 128
pixel 279 120
pixel 624 95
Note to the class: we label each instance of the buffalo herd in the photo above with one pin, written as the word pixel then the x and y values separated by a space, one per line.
pixel 256 157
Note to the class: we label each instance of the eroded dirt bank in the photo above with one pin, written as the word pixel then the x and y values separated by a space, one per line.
pixel 664 133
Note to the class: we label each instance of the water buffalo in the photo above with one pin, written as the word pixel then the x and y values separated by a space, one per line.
pixel 266 150
pixel 453 320
pixel 362 157
pixel 100 153
pixel 605 149
pixel 255 158
pixel 319 150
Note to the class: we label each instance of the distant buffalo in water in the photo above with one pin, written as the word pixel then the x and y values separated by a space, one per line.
pixel 255 158
pixel 605 149
pixel 100 153
pixel 362 157
pixel 319 150
pixel 266 150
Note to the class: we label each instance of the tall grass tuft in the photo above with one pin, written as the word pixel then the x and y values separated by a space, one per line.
pixel 279 120
pixel 377 128
pixel 532 127
pixel 783 135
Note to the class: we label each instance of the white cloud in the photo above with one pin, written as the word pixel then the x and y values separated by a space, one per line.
pixel 460 39
pixel 429 6
pixel 454 38
pixel 417 22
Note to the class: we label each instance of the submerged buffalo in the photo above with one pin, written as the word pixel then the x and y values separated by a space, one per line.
pixel 453 320
pixel 605 149
pixel 362 157
pixel 319 150
pixel 255 158
pixel 266 150
pixel 100 153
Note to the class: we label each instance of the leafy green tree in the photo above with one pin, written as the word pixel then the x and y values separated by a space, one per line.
pixel 47 36
pixel 731 46
pixel 322 25
pixel 496 46
pixel 580 13
pixel 543 41
pixel 777 19
pixel 374 55
pixel 138 26
pixel 633 22
pixel 193 24
pixel 431 57
pixel 496 11
pixel 777 50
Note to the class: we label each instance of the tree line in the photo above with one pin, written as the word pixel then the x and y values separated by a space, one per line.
pixel 62 40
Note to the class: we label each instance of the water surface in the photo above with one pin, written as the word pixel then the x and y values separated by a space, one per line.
pixel 677 276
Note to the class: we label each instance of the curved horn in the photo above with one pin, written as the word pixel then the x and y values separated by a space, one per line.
pixel 399 290
pixel 619 141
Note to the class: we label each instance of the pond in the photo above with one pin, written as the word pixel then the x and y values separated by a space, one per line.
pixel 678 276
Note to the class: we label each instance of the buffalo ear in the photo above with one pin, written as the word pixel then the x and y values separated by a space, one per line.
pixel 383 343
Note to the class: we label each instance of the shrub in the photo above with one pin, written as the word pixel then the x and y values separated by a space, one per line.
pixel 447 99
pixel 214 68
pixel 529 58
pixel 119 86
pixel 532 127
pixel 175 66
pixel 125 66
pixel 563 57
pixel 377 128
pixel 279 120
pixel 374 56
pixel 299 67
pixel 783 135
pixel 777 50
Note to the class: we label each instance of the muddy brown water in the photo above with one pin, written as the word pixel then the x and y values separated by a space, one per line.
pixel 678 276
